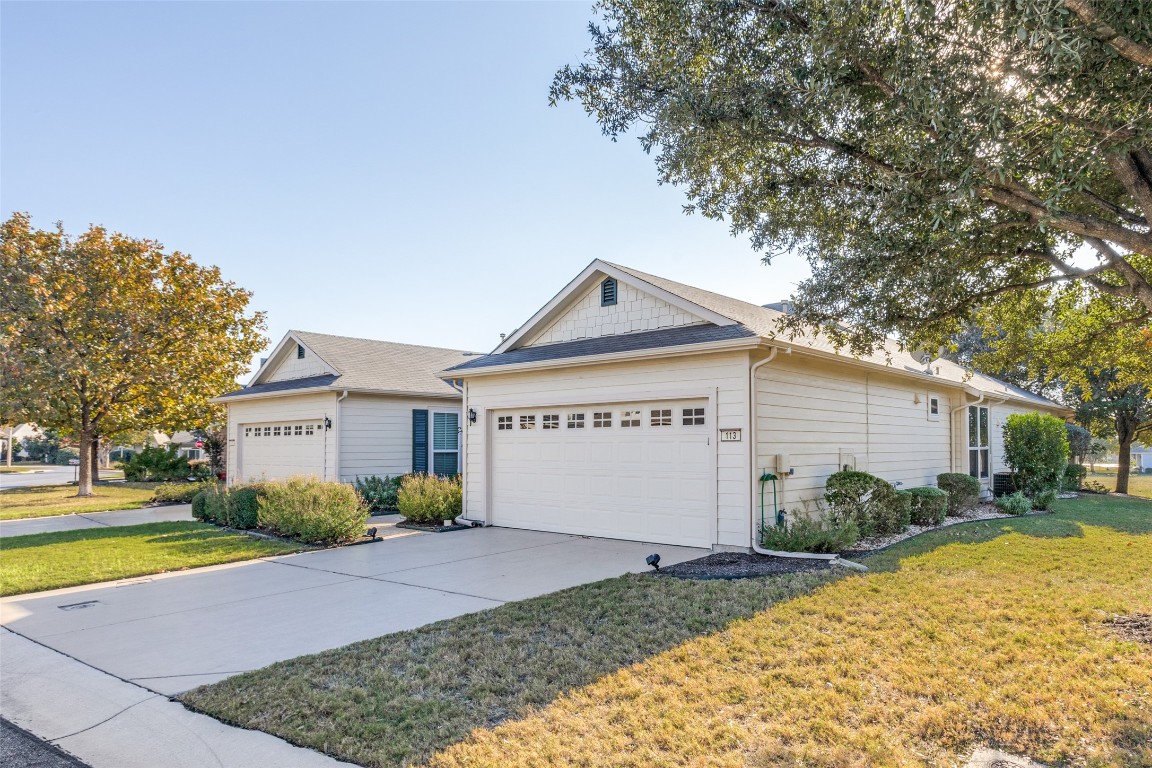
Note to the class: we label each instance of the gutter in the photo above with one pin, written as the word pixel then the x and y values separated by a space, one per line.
pixel 225 399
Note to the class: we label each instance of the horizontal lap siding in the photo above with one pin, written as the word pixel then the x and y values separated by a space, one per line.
pixel 726 374
pixel 376 433
pixel 289 408
pixel 816 412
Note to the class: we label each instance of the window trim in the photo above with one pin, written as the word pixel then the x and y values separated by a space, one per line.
pixel 632 418
pixel 575 420
pixel 933 400
pixel 527 421
pixel 505 423
pixel 602 419
pixel 660 417
pixel 432 449
pixel 550 421
pixel 980 449
pixel 692 417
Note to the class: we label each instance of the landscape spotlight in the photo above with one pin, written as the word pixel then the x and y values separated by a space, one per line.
pixel 653 560
pixel 371 532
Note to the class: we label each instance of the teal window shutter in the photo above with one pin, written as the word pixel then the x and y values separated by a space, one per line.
pixel 420 440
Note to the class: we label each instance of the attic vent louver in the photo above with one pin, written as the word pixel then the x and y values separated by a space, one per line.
pixel 608 292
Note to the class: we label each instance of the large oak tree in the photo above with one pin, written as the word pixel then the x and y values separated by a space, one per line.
pixel 929 158
pixel 105 332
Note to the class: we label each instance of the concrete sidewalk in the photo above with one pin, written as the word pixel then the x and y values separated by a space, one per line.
pixel 77 522
pixel 109 723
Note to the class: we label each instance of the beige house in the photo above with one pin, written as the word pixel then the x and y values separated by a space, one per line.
pixel 339 408
pixel 635 407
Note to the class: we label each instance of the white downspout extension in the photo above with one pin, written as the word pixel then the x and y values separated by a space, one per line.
pixel 754 457
pixel 336 461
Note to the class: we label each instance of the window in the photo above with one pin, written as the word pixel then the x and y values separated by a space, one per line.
pixel 608 292
pixel 551 421
pixel 247 431
pixel 298 430
pixel 267 431
pixel 933 407
pixel 575 421
pixel 661 417
pixel 977 441
pixel 299 351
pixel 630 419
pixel 276 431
pixel 602 419
pixel 307 430
pixel 528 422
pixel 503 422
pixel 446 443
pixel 693 417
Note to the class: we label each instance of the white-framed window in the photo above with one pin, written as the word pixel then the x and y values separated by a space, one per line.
pixel 661 417
pixel 602 419
pixel 978 444
pixel 445 443
pixel 630 419
pixel 276 431
pixel 551 421
pixel 503 423
pixel 307 430
pixel 247 431
pixel 693 417
pixel 934 407
pixel 298 430
pixel 267 431
pixel 528 421
pixel 575 421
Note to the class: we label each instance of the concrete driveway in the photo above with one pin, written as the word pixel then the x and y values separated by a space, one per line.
pixel 172 632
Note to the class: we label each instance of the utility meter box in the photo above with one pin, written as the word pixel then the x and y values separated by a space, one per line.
pixel 783 464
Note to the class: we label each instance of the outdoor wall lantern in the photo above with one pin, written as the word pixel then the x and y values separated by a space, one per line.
pixel 471 415
pixel 327 423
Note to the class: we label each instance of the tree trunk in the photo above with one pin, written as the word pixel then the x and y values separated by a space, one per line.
pixel 86 445
pixel 95 459
pixel 1126 424
pixel 11 442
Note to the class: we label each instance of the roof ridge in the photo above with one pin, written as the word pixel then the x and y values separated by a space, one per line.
pixel 382 341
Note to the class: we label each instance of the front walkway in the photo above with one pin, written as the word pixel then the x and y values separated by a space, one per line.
pixel 153 637
pixel 76 522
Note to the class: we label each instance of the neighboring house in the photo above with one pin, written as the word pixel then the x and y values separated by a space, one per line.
pixel 634 407
pixel 339 408
pixel 19 434
pixel 1141 458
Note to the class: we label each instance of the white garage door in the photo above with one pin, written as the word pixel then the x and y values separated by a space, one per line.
pixel 640 472
pixel 277 450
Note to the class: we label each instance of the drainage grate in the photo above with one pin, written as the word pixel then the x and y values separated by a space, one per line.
pixel 79 606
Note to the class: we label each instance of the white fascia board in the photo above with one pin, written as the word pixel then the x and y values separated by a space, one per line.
pixel 333 389
pixel 583 281
pixel 272 361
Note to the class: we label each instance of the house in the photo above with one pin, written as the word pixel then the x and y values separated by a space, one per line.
pixel 635 407
pixel 17 434
pixel 338 408
pixel 1141 458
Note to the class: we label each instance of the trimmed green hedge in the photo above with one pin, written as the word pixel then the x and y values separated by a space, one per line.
pixel 929 505
pixel 963 491
pixel 873 504
pixel 803 534
pixel 180 492
pixel 312 511
pixel 429 500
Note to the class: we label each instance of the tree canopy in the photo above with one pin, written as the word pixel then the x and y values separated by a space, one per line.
pixel 929 159
pixel 103 332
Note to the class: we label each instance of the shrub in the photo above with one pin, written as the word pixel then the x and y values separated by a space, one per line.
pixel 379 492
pixel 66 456
pixel 1036 447
pixel 1044 500
pixel 963 491
pixel 180 492
pixel 873 504
pixel 1014 504
pixel 805 534
pixel 243 506
pixel 157 464
pixel 312 511
pixel 211 505
pixel 1073 478
pixel 200 506
pixel 929 505
pixel 428 499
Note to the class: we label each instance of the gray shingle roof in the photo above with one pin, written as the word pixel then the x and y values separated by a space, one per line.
pixel 283 386
pixel 603 345
pixel 388 366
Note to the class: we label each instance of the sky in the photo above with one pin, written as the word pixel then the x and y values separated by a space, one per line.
pixel 381 170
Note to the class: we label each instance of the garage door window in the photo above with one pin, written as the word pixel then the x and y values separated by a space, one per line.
pixel 503 423
pixel 551 421
pixel 693 417
pixel 575 421
pixel 630 419
pixel 661 417
pixel 602 419
pixel 528 422
pixel 446 443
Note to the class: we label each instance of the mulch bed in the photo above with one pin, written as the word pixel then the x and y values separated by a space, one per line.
pixel 433 528
pixel 740 565
pixel 1137 628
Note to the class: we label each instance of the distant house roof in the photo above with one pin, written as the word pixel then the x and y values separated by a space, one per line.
pixel 749 321
pixel 361 365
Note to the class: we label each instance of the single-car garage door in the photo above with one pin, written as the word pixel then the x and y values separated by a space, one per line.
pixel 279 449
pixel 628 471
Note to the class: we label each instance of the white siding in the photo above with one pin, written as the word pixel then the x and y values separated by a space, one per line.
pixel 376 433
pixel 722 377
pixel 287 408
pixel 298 368
pixel 822 415
pixel 633 311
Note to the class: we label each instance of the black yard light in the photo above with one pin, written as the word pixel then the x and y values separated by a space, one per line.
pixel 653 560
pixel 371 532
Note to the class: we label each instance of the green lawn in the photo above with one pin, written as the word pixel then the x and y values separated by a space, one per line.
pixel 68 558
pixel 1138 485
pixel 46 500
pixel 983 633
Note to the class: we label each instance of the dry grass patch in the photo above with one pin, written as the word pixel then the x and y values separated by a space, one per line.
pixel 50 500
pixel 996 642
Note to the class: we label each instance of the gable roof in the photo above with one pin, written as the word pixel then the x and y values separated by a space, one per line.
pixel 360 365
pixel 748 321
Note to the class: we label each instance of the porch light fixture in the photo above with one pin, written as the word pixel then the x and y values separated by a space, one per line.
pixel 327 423
pixel 471 415
pixel 653 560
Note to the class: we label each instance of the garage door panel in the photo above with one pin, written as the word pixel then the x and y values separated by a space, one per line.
pixel 650 482
pixel 277 450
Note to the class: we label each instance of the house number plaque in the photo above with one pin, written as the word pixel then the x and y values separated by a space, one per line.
pixel 730 436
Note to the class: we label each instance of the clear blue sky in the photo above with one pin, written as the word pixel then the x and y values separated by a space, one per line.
pixel 386 170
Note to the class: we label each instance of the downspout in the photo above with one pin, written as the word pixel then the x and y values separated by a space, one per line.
pixel 754 457
pixel 336 463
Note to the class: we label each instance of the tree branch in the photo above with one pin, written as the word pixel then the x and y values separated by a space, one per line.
pixel 1099 30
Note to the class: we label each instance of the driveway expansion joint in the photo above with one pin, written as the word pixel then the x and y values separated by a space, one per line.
pixel 56 739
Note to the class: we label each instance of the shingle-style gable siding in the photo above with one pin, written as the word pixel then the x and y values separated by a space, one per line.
pixel 298 368
pixel 634 311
